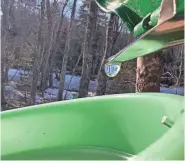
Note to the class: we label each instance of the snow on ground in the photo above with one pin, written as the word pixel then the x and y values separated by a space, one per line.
pixel 179 90
pixel 74 80
pixel 51 93
pixel 15 74
pixel 74 83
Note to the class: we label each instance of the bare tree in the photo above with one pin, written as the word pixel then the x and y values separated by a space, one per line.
pixel 56 36
pixel 48 42
pixel 180 66
pixel 66 53
pixel 5 26
pixel 173 66
pixel 102 78
pixel 37 54
pixel 87 49
pixel 8 35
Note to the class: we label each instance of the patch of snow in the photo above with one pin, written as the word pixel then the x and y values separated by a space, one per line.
pixel 74 84
pixel 178 90
pixel 70 95
pixel 13 73
pixel 38 99
pixel 91 94
pixel 51 93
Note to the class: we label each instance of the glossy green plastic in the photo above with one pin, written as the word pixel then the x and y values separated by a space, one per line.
pixel 112 127
pixel 130 11
pixel 158 23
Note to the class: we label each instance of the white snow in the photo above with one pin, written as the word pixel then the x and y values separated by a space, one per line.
pixel 178 90
pixel 74 84
pixel 15 74
pixel 51 93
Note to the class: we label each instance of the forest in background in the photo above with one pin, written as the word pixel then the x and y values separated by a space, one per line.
pixel 60 47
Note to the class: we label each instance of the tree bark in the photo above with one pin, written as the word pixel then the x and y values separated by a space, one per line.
pixel 56 38
pixel 48 45
pixel 50 77
pixel 37 55
pixel 66 53
pixel 87 49
pixel 148 73
pixel 5 26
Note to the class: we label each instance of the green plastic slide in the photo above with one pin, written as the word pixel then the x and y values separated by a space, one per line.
pixel 115 127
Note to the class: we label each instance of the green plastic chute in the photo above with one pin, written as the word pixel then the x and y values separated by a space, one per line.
pixel 159 24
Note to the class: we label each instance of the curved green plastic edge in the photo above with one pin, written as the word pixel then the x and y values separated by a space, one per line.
pixel 126 123
pixel 170 146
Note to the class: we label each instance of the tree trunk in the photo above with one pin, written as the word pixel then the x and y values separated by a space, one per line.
pixel 87 49
pixel 102 78
pixel 37 55
pixel 148 73
pixel 56 38
pixel 66 53
pixel 3 81
pixel 48 45
pixel 50 77
pixel 5 26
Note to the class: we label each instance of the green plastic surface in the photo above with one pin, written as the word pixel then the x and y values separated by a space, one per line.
pixel 171 144
pixel 105 127
pixel 130 11
pixel 146 19
pixel 150 42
